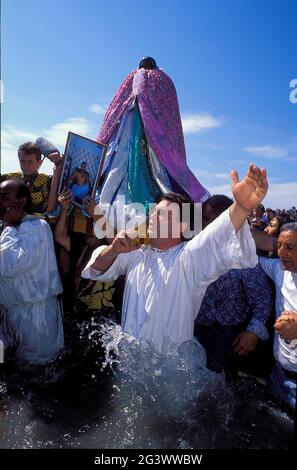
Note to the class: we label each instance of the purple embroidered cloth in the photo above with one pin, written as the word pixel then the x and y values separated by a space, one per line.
pixel 158 105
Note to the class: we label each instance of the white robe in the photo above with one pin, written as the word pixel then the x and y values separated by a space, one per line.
pixel 31 322
pixel 285 283
pixel 164 289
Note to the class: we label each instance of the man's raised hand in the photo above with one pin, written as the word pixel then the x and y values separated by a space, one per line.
pixel 249 192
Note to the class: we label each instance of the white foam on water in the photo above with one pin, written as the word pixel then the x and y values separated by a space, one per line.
pixel 151 400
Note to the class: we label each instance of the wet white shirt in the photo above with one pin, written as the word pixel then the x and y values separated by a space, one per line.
pixel 285 299
pixel 31 320
pixel 164 289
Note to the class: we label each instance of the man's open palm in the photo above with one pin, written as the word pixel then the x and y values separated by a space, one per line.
pixel 249 192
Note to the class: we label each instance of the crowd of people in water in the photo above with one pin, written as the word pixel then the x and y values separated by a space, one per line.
pixel 233 285
pixel 229 281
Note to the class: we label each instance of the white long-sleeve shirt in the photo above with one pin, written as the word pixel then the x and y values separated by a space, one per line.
pixel 285 283
pixel 164 289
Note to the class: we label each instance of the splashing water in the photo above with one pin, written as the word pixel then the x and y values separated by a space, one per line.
pixel 112 391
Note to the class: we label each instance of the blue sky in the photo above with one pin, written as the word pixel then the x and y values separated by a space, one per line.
pixel 231 62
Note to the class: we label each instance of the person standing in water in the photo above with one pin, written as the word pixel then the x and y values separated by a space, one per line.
pixel 165 283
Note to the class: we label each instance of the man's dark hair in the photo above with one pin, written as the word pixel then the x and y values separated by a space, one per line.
pixel 261 208
pixel 23 191
pixel 280 219
pixel 30 148
pixel 290 227
pixel 219 203
pixel 179 199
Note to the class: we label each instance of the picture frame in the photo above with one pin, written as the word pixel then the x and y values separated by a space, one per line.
pixel 82 168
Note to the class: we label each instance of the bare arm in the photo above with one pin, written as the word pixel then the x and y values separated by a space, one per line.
pixel 105 259
pixel 61 234
pixel 247 194
pixel 52 199
pixel 120 244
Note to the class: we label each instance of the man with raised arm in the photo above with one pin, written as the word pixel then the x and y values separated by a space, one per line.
pixel 165 283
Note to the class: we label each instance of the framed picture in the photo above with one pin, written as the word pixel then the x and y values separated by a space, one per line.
pixel 82 168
